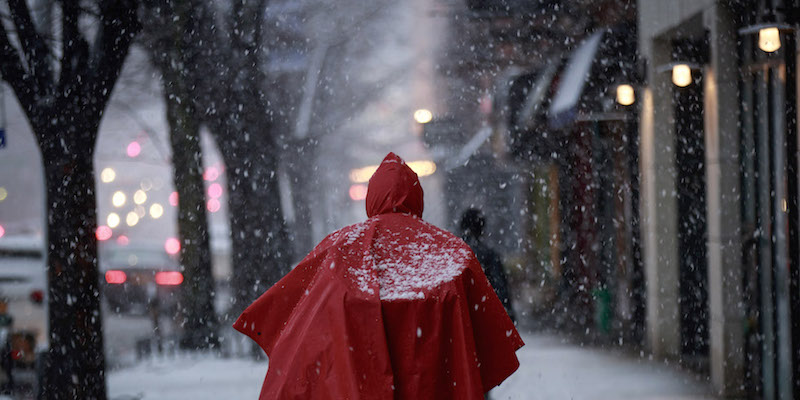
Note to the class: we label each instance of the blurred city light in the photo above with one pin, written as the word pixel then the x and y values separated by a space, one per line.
pixel 215 190
pixel 681 75
pixel 211 174
pixel 213 205
pixel 172 246
pixel 625 95
pixel 140 211
pixel 134 149
pixel 423 116
pixel 139 197
pixel 2 231
pixel 156 211
pixel 123 240
pixel 421 168
pixel 358 192
pixel 118 199
pixel 3 193
pixel 769 39
pixel 113 220
pixel 115 277
pixel 146 184
pixel 132 219
pixel 169 278
pixel 173 199
pixel 107 175
pixel 103 233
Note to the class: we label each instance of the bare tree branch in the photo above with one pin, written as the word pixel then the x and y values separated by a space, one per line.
pixel 13 72
pixel 33 46
pixel 119 25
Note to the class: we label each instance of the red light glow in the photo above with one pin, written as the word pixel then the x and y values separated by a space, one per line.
pixel 215 190
pixel 115 277
pixel 172 246
pixel 134 149
pixel 169 278
pixel 123 240
pixel 213 205
pixel 103 233
pixel 173 199
pixel 211 174
pixel 2 231
pixel 358 192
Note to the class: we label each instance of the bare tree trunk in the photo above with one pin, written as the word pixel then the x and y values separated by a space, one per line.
pixel 199 320
pixel 75 364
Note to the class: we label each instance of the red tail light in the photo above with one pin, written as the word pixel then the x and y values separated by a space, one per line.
pixel 37 296
pixel 169 278
pixel 116 277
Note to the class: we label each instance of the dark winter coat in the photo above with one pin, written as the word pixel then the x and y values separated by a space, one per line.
pixel 493 268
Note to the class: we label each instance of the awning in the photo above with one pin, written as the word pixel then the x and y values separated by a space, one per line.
pixel 576 74
pixel 536 96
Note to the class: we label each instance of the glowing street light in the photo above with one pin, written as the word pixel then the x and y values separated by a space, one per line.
pixel 625 95
pixel 113 220
pixel 132 218
pixel 107 175
pixel 118 199
pixel 139 197
pixel 769 39
pixel 156 211
pixel 681 75
pixel 423 116
pixel 421 168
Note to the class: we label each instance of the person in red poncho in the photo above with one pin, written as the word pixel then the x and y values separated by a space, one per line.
pixel 389 308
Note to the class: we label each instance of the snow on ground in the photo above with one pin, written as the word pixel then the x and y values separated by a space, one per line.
pixel 553 369
pixel 550 369
pixel 187 377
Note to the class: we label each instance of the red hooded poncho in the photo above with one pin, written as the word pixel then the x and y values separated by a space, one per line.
pixel 390 308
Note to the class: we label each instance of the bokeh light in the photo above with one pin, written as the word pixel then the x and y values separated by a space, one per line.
pixel 156 211
pixel 113 220
pixel 108 175
pixel 134 149
pixel 139 197
pixel 213 205
pixel 215 190
pixel 173 199
pixel 118 199
pixel 358 192
pixel 103 233
pixel 211 174
pixel 172 246
pixel 132 219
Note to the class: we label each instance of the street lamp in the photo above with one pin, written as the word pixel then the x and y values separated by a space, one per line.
pixel 769 34
pixel 625 94
pixel 423 116
pixel 681 75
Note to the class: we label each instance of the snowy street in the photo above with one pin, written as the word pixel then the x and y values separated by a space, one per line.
pixel 549 369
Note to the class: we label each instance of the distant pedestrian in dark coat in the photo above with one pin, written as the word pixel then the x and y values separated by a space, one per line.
pixel 472 223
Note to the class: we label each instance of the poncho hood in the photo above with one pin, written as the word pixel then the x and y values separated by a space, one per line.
pixel 389 308
pixel 394 188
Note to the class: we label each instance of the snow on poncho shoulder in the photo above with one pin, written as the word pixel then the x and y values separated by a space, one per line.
pixel 403 262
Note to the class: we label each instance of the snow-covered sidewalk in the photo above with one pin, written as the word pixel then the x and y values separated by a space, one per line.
pixel 550 369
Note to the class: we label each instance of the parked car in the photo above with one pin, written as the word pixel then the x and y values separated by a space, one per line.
pixel 138 278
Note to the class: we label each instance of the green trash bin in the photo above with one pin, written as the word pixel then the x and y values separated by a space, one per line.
pixel 602 310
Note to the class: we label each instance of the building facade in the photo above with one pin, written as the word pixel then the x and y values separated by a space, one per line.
pixel 719 204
